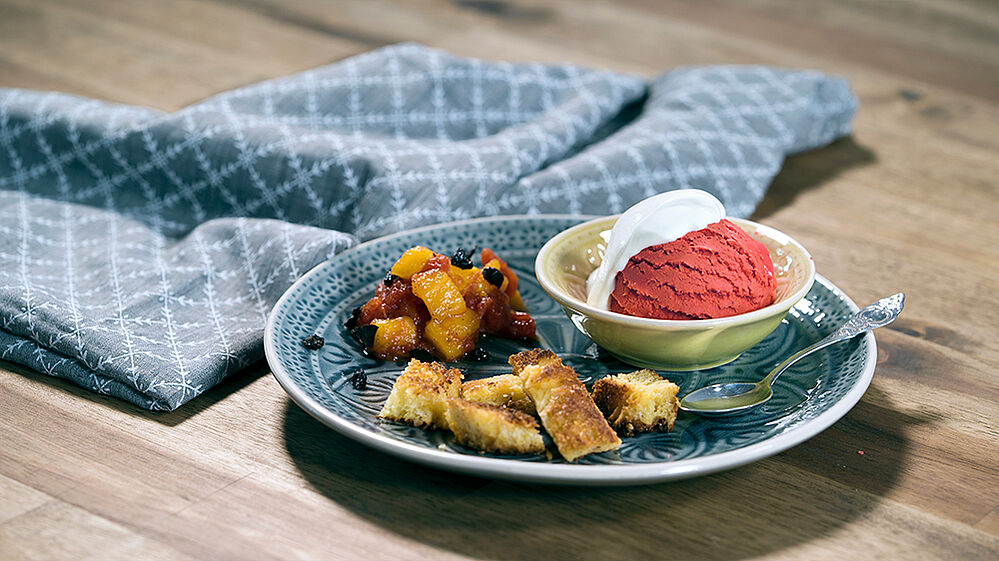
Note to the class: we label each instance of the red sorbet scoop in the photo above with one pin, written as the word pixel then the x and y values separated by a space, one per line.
pixel 715 272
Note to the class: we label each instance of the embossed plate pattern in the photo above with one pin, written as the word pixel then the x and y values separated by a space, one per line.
pixel 808 398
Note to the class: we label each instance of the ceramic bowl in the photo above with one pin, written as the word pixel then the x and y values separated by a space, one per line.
pixel 567 259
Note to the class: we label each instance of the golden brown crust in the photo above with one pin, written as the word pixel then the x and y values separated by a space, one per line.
pixel 505 390
pixel 499 414
pixel 493 429
pixel 637 402
pixel 566 409
pixel 432 375
pixel 532 357
pixel 420 394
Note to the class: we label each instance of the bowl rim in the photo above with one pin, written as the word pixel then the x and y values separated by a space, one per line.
pixel 635 321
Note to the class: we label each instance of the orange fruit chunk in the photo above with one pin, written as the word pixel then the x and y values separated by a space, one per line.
pixel 439 293
pixel 463 278
pixel 411 262
pixel 395 337
pixel 453 336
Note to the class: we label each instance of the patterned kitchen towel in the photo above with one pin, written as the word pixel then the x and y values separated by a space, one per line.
pixel 141 251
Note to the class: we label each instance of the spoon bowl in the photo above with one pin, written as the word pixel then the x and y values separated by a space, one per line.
pixel 719 400
pixel 735 398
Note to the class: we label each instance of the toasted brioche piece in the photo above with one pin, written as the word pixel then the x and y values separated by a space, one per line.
pixel 493 429
pixel 637 402
pixel 532 357
pixel 420 394
pixel 505 390
pixel 566 409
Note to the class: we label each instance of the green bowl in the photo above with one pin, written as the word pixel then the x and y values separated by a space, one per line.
pixel 567 259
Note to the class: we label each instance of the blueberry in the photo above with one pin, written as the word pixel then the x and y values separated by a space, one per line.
pixel 313 342
pixel 493 276
pixel 365 335
pixel 358 378
pixel 462 258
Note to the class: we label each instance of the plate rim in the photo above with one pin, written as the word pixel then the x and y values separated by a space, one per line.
pixel 565 474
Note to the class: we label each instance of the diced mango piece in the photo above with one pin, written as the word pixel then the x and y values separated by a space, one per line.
pixel 453 336
pixel 439 293
pixel 478 288
pixel 395 337
pixel 463 278
pixel 411 262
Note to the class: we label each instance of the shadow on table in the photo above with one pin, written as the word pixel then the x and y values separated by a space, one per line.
pixel 809 170
pixel 798 496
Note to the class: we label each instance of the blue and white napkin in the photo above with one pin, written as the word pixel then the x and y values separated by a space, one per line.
pixel 141 251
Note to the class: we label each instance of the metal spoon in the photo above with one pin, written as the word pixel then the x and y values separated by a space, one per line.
pixel 739 397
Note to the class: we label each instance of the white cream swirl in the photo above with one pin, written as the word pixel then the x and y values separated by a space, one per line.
pixel 656 220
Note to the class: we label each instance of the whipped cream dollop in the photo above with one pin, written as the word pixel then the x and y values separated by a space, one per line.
pixel 656 220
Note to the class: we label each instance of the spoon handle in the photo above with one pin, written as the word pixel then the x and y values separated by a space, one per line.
pixel 878 314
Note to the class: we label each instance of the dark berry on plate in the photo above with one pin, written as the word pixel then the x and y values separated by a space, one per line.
pixel 493 276
pixel 421 355
pixel 365 335
pixel 478 354
pixel 358 378
pixel 313 342
pixel 355 315
pixel 462 258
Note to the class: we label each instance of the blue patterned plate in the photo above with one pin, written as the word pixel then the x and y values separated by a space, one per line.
pixel 808 398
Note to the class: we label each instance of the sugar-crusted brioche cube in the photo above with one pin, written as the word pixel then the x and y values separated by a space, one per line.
pixel 420 394
pixel 637 402
pixel 493 429
pixel 505 390
pixel 566 409
pixel 532 357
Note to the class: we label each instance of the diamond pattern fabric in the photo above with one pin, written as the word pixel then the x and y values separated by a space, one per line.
pixel 141 251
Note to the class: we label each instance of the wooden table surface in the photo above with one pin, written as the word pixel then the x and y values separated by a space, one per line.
pixel 909 203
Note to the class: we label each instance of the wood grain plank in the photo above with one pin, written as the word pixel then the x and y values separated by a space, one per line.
pixel 967 29
pixel 935 469
pixel 329 23
pixel 279 520
pixel 990 523
pixel 62 450
pixel 263 40
pixel 67 532
pixel 16 499
pixel 33 78
pixel 858 32
pixel 163 55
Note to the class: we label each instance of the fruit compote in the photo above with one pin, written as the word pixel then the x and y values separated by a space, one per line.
pixel 432 303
